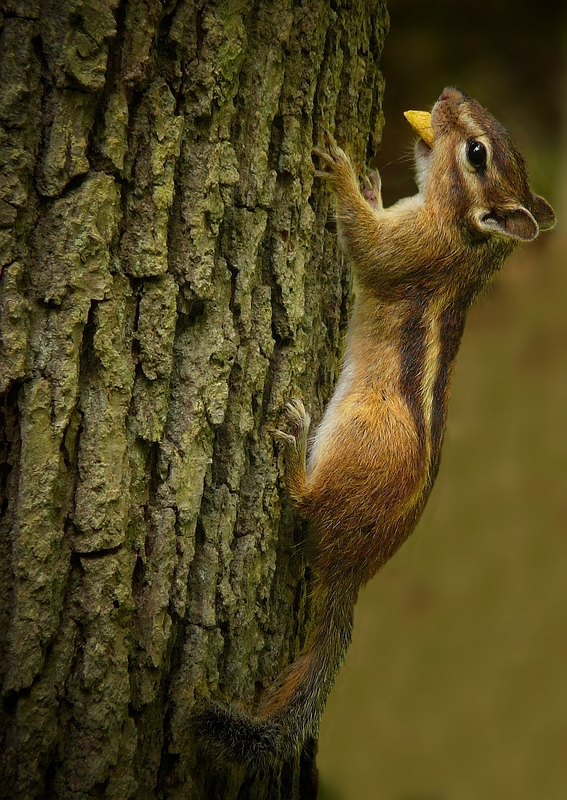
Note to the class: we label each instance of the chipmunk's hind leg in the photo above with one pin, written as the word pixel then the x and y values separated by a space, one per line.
pixel 295 450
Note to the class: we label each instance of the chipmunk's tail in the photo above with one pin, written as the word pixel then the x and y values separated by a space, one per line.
pixel 292 708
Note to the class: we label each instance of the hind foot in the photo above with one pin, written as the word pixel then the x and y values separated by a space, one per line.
pixel 299 422
pixel 295 452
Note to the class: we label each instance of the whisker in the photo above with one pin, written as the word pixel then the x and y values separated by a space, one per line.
pixel 405 157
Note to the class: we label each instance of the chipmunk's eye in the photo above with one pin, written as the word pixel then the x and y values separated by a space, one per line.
pixel 476 154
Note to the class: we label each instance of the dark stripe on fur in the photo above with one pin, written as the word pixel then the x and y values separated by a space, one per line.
pixel 413 353
pixel 450 333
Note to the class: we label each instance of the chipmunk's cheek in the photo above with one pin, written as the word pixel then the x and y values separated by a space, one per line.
pixel 423 150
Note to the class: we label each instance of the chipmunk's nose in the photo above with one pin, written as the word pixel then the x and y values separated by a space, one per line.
pixel 450 93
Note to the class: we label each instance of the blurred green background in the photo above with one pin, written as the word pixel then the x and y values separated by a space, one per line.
pixel 455 686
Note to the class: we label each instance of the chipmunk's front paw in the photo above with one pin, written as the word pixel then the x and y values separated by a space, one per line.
pixel 372 189
pixel 335 164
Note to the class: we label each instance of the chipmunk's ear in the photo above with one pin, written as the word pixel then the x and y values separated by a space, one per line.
pixel 517 223
pixel 543 213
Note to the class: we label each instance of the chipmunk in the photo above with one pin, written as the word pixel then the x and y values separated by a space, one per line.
pixel 418 266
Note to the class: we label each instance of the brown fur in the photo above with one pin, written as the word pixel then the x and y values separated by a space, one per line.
pixel 418 266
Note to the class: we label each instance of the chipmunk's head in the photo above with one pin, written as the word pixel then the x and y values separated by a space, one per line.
pixel 469 168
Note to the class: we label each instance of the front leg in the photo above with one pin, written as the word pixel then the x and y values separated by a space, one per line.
pixel 358 213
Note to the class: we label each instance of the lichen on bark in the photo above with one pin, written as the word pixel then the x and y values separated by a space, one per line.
pixel 168 280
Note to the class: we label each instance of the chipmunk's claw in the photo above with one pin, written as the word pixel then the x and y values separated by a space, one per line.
pixel 299 421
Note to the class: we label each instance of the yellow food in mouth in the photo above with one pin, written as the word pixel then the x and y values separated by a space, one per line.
pixel 421 123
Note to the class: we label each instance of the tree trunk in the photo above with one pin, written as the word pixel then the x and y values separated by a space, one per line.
pixel 170 278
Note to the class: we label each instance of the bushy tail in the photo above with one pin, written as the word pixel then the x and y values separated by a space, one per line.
pixel 292 708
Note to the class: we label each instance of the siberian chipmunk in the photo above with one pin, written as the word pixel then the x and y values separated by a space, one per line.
pixel 418 266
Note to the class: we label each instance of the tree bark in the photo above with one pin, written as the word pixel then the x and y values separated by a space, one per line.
pixel 169 279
